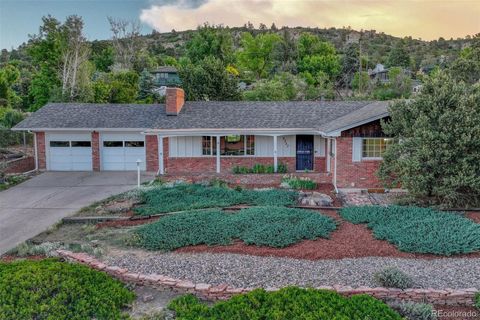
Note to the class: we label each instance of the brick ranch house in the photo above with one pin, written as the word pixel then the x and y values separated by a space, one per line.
pixel 341 141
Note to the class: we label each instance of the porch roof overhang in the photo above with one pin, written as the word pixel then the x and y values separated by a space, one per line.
pixel 233 131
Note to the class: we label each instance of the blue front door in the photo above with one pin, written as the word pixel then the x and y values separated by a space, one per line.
pixel 304 153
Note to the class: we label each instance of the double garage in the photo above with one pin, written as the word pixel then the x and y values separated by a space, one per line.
pixel 73 151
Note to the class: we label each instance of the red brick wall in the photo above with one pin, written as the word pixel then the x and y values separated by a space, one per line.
pixel 357 174
pixel 20 165
pixel 209 164
pixel 95 151
pixel 42 161
pixel 151 149
pixel 174 100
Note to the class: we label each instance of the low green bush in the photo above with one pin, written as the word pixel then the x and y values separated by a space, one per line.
pixel 195 196
pixel 414 311
pixel 477 300
pixel 419 230
pixel 299 183
pixel 286 303
pixel 262 226
pixel 50 289
pixel 260 168
pixel 393 277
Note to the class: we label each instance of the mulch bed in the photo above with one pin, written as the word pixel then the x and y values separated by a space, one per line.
pixel 10 258
pixel 124 223
pixel 348 241
pixel 474 215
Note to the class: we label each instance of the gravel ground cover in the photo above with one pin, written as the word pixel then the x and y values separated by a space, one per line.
pixel 253 271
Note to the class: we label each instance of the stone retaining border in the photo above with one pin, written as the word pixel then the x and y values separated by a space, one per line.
pixel 451 297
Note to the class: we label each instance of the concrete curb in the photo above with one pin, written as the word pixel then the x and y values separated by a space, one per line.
pixel 451 297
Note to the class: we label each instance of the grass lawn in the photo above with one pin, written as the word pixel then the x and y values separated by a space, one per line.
pixel 418 230
pixel 261 226
pixel 287 303
pixel 195 196
pixel 50 289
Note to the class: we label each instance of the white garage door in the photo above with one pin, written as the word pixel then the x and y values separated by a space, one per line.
pixel 69 152
pixel 121 151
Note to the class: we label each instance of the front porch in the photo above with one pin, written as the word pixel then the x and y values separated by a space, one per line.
pixel 181 153
pixel 324 180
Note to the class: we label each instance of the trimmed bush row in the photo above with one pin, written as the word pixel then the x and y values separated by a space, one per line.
pixel 287 303
pixel 260 168
pixel 299 182
pixel 418 230
pixel 50 289
pixel 262 226
pixel 195 196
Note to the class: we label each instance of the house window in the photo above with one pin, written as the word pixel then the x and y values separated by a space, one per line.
pixel 232 145
pixel 209 145
pixel 81 144
pixel 375 147
pixel 134 144
pixel 113 144
pixel 59 144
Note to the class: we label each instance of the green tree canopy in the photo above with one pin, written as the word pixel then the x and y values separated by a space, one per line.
pixel 211 41
pixel 467 66
pixel 257 53
pixel 116 87
pixel 398 56
pixel 437 150
pixel 208 80
pixel 9 75
pixel 317 58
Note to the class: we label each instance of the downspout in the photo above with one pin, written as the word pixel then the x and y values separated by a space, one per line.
pixel 35 149
pixel 335 167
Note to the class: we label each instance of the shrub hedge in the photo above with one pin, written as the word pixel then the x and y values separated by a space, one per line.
pixel 286 303
pixel 50 289
pixel 300 182
pixel 477 299
pixel 263 226
pixel 196 196
pixel 419 230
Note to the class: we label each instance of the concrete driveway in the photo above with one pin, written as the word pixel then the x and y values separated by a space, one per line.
pixel 31 207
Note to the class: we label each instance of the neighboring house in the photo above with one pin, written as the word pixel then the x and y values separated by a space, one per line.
pixel 166 76
pixel 379 73
pixel 341 141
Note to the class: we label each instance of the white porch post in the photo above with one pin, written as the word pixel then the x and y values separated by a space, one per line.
pixel 161 165
pixel 275 154
pixel 328 154
pixel 218 153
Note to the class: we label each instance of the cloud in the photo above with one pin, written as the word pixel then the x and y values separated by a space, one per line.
pixel 418 18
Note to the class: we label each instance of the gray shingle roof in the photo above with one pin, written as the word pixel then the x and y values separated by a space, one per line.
pixel 316 115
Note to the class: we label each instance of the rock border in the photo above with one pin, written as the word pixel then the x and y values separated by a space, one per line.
pixel 450 297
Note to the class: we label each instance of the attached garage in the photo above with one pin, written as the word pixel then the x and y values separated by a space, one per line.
pixel 69 151
pixel 120 151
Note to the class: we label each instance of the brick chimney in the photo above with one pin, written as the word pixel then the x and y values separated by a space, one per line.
pixel 175 98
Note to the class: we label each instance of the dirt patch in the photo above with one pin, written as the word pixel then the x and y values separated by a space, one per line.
pixel 348 241
pixel 125 223
pixel 11 258
pixel 474 215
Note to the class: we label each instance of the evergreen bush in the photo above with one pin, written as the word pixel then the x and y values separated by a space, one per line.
pixel 263 226
pixel 50 289
pixel 195 196
pixel 286 303
pixel 419 230
pixel 393 277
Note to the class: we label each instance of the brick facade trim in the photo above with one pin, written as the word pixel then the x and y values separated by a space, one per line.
pixel 41 152
pixel 453 297
pixel 95 151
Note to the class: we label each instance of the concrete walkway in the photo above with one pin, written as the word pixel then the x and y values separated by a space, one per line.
pixel 31 207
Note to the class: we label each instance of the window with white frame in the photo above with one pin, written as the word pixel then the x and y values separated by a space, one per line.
pixel 231 145
pixel 375 147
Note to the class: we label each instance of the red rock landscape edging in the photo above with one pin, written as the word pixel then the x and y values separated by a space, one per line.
pixel 451 297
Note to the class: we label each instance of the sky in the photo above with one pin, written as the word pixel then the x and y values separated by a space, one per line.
pixel 425 19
